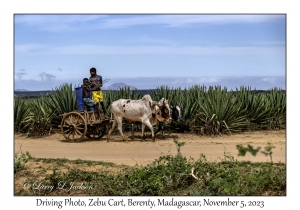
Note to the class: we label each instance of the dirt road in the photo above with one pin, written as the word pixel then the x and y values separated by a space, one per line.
pixel 141 153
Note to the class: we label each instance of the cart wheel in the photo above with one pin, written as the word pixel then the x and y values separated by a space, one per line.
pixel 73 126
pixel 96 132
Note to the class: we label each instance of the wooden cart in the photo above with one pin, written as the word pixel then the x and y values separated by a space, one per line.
pixel 81 122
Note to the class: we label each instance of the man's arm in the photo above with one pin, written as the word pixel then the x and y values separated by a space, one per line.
pixel 97 84
pixel 86 87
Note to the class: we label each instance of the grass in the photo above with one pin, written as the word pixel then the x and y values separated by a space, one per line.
pixel 166 175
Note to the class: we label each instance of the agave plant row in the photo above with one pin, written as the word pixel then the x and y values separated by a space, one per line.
pixel 205 110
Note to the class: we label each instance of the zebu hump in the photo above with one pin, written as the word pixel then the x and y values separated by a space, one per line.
pixel 147 98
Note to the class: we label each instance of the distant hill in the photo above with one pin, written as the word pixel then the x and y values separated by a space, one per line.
pixel 117 86
pixel 31 94
pixel 18 90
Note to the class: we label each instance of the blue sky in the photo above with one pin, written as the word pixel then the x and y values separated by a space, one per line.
pixel 147 51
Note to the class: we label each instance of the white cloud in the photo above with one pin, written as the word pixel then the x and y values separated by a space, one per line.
pixel 189 80
pixel 18 77
pixel 207 79
pixel 186 20
pixel 56 23
pixel 21 72
pixel 72 22
pixel 46 77
pixel 36 85
pixel 263 43
pixel 200 80
pixel 147 39
pixel 163 50
pixel 269 79
pixel 24 48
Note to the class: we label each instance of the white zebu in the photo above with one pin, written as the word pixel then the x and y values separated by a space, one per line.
pixel 144 110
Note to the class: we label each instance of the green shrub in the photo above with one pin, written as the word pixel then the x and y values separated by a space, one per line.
pixel 20 160
pixel 38 119
pixel 208 111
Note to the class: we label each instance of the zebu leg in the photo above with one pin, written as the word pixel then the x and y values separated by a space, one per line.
pixel 120 121
pixel 147 122
pixel 112 128
pixel 159 128
pixel 143 130
pixel 132 131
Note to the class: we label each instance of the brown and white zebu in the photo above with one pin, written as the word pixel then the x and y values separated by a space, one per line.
pixel 144 110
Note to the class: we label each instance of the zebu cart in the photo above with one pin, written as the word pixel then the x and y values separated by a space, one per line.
pixel 85 121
